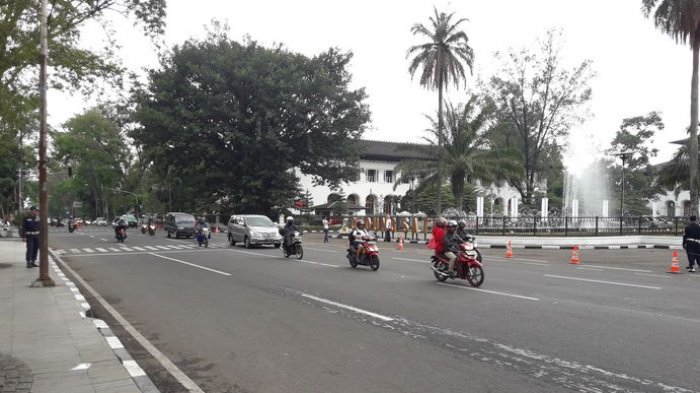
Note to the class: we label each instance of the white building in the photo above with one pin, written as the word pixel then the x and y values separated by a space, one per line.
pixel 374 190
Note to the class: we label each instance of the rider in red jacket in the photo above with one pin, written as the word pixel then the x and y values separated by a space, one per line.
pixel 439 235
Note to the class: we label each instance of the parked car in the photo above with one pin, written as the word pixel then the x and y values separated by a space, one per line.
pixel 179 224
pixel 253 230
pixel 131 220
pixel 100 221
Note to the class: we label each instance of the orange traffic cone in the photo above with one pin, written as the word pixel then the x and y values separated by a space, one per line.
pixel 574 256
pixel 509 250
pixel 674 268
pixel 400 246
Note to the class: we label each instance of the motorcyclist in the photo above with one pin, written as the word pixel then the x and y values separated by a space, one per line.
pixel 358 235
pixel 462 230
pixel 200 225
pixel 289 229
pixel 121 224
pixel 452 242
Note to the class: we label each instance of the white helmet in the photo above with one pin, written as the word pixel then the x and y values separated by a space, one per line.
pixel 290 219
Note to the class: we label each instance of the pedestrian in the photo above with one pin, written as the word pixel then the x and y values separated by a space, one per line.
pixel 325 230
pixel 387 229
pixel 691 243
pixel 30 235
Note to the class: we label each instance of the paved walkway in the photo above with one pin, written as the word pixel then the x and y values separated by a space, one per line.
pixel 46 343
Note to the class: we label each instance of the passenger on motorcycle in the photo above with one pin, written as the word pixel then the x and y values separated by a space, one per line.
pixel 289 229
pixel 438 236
pixel 452 242
pixel 356 237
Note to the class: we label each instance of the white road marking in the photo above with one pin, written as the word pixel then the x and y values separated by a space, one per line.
pixel 92 236
pixel 100 324
pixel 151 248
pixel 651 275
pixel 174 247
pixel 163 247
pixel 127 249
pixel 75 251
pixel 516 259
pixel 139 248
pixel 81 366
pixel 114 342
pixel 347 307
pixel 113 249
pixel 61 251
pixel 133 368
pixel 620 268
pixel 589 268
pixel 88 250
pixel 283 258
pixel 411 260
pixel 491 292
pixel 190 264
pixel 624 284
pixel 536 263
pixel 104 240
pixel 319 249
pixel 101 249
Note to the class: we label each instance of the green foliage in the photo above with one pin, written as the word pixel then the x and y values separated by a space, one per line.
pixel 636 134
pixel 466 151
pixel 228 121
pixel 538 100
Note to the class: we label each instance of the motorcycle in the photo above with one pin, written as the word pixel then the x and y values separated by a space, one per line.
pixel 471 240
pixel 203 236
pixel 295 248
pixel 369 254
pixel 143 229
pixel 72 227
pixel 152 229
pixel 121 235
pixel 467 266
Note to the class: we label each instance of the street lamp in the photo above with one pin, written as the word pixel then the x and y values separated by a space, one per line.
pixel 127 192
pixel 624 155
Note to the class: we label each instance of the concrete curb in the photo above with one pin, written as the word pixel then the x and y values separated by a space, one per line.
pixel 143 382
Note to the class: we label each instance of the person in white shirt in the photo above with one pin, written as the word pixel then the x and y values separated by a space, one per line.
pixel 325 230
pixel 357 236
pixel 387 229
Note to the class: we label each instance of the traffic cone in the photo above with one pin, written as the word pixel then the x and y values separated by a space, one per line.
pixel 574 256
pixel 400 246
pixel 509 250
pixel 674 268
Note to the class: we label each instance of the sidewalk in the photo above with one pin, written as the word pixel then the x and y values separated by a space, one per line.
pixel 47 345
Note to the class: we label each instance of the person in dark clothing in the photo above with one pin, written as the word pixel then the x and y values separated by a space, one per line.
pixel 691 243
pixel 30 235
pixel 289 230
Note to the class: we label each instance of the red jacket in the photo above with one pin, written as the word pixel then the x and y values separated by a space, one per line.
pixel 439 236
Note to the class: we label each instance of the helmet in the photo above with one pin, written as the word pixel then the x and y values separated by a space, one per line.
pixel 440 222
pixel 452 224
pixel 290 219
pixel 359 223
pixel 462 223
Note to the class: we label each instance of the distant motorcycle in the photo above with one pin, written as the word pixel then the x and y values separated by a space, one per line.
pixel 144 228
pixel 121 235
pixel 203 235
pixel 295 248
pixel 369 254
pixel 72 226
pixel 467 266
pixel 152 229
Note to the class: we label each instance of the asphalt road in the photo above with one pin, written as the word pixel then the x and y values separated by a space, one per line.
pixel 237 320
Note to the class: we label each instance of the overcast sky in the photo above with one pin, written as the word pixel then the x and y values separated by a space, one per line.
pixel 638 68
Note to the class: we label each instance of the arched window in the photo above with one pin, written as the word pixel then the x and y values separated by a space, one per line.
pixel 670 208
pixel 369 205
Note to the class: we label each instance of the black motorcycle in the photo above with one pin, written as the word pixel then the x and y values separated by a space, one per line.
pixel 294 247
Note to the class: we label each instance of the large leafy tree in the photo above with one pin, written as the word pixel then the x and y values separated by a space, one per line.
pixel 681 20
pixel 93 147
pixel 636 135
pixel 71 65
pixel 441 60
pixel 465 148
pixel 538 101
pixel 229 121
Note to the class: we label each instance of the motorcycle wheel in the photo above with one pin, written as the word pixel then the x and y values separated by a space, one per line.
pixel 478 256
pixel 351 259
pixel 299 251
pixel 374 263
pixel 284 252
pixel 206 243
pixel 443 268
pixel 475 275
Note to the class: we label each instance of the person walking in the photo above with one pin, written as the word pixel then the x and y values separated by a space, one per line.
pixel 691 243
pixel 30 235
pixel 387 229
pixel 325 229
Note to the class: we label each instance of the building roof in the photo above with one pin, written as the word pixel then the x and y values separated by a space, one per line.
pixel 390 151
pixel 334 204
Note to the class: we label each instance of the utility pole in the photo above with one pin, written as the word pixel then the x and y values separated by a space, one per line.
pixel 44 279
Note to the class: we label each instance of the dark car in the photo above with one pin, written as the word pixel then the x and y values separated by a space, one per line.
pixel 179 224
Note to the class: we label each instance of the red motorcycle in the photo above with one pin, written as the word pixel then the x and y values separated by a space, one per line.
pixel 121 235
pixel 467 266
pixel 369 254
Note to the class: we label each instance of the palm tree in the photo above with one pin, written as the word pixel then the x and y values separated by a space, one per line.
pixel 465 150
pixel 441 59
pixel 681 20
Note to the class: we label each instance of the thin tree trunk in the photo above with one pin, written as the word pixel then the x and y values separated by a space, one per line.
pixel 693 142
pixel 438 209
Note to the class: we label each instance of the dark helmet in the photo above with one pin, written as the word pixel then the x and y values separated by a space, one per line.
pixel 359 223
pixel 462 223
